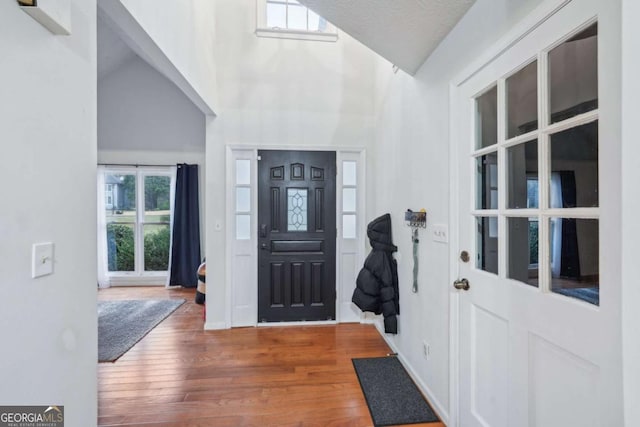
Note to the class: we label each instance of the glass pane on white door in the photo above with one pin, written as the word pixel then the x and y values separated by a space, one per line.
pixel 157 192
pixel 575 258
pixel 522 255
pixel 487 118
pixel 349 226
pixel 243 172
pixel 243 199
pixel 121 246
pixel 487 181
pixel 522 101
pixel 574 167
pixel 243 227
pixel 157 219
pixel 487 244
pixel 522 169
pixel 120 217
pixel 573 76
pixel 349 172
pixel 349 199
pixel 156 247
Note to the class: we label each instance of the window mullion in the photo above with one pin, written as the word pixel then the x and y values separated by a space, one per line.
pixel 502 179
pixel 544 174
pixel 139 262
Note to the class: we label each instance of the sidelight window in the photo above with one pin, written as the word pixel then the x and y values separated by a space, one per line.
pixel 349 199
pixel 243 199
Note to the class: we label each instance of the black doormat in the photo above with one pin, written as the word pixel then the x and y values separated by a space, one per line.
pixel 391 395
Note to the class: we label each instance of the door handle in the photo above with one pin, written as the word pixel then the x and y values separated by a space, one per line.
pixel 263 246
pixel 263 230
pixel 462 284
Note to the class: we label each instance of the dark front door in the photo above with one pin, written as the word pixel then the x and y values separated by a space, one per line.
pixel 296 235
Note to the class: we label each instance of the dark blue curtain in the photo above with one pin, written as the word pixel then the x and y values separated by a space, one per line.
pixel 570 253
pixel 185 252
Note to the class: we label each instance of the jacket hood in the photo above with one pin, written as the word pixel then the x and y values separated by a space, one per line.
pixel 379 232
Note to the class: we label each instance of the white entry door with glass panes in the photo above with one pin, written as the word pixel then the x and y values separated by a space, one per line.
pixel 137 215
pixel 538 300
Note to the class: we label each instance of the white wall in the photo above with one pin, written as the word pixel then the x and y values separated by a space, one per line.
pixel 630 209
pixel 185 32
pixel 140 109
pixel 48 170
pixel 143 118
pixel 411 159
pixel 279 93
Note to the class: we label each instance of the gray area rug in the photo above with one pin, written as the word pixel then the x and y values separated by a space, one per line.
pixel 391 395
pixel 121 324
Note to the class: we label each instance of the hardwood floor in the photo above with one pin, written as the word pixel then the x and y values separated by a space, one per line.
pixel 181 375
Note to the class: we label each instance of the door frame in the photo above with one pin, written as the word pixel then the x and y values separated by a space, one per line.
pixel 349 252
pixel 520 30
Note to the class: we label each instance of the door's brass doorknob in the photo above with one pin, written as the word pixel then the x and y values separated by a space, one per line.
pixel 461 284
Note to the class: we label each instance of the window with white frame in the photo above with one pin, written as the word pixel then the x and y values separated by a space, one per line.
pixel 137 216
pixel 291 19
pixel 243 199
pixel 349 199
pixel 539 125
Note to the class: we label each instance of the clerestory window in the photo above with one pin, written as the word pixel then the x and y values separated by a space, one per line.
pixel 291 19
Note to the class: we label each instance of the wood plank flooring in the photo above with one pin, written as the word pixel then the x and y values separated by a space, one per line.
pixel 181 375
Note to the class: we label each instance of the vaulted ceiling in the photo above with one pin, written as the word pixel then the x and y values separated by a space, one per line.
pixel 405 32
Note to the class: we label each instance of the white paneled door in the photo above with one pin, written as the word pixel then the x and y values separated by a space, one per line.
pixel 537 175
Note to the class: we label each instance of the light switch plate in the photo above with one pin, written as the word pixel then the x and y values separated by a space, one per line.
pixel 440 233
pixel 42 259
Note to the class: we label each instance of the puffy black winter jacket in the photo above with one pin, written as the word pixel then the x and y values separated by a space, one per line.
pixel 377 283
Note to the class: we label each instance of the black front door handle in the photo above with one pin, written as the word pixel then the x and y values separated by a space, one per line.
pixel 263 246
pixel 263 230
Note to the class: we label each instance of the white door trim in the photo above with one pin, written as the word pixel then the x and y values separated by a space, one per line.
pixel 532 21
pixel 344 313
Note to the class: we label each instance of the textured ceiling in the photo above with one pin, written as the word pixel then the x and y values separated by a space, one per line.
pixel 405 32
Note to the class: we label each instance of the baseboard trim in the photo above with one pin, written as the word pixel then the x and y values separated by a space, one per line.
pixel 300 323
pixel 215 326
pixel 435 403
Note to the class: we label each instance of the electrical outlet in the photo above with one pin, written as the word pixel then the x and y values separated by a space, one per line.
pixel 426 350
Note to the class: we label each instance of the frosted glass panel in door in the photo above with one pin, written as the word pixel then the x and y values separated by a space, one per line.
pixel 243 227
pixel 243 199
pixel 348 226
pixel 243 172
pixel 348 173
pixel 297 209
pixel 349 199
